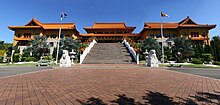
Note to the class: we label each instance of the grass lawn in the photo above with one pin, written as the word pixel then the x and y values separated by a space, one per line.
pixel 184 65
pixel 18 64
pixel 29 64
pixel 189 65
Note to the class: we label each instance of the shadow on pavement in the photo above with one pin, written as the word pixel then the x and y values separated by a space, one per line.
pixel 157 98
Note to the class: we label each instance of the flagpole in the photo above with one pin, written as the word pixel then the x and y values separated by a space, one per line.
pixel 161 30
pixel 58 43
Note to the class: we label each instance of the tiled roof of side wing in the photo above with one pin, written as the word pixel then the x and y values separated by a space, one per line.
pixel 34 23
pixel 158 25
pixel 109 26
pixel 187 22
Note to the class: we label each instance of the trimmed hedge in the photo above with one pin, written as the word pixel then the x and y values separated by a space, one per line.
pixel 207 57
pixel 16 57
pixel 216 63
pixel 197 61
pixel 28 59
pixel 1 59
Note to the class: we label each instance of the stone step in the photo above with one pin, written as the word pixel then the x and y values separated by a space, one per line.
pixel 108 53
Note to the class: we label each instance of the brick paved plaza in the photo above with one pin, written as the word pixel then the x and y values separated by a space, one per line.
pixel 108 84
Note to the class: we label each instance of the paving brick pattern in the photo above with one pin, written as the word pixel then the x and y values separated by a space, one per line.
pixel 108 84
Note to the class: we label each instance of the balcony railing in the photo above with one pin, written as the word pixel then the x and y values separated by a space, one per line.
pixel 22 38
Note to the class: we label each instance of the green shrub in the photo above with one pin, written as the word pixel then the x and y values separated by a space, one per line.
pixel 216 63
pixel 172 59
pixel 16 57
pixel 28 59
pixel 1 59
pixel 2 52
pixel 47 57
pixel 197 61
pixel 23 59
pixel 207 57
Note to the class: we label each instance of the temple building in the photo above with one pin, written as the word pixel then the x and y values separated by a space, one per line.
pixel 109 32
pixel 23 34
pixel 197 33
pixel 113 32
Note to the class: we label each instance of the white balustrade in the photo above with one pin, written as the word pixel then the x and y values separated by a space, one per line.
pixel 131 51
pixel 87 50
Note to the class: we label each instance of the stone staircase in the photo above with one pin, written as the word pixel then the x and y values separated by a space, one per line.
pixel 108 53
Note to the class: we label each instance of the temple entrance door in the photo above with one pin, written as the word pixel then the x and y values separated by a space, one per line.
pixel 110 39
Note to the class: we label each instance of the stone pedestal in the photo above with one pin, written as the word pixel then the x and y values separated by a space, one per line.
pixel 72 56
pixel 65 59
pixel 4 58
pixel 152 60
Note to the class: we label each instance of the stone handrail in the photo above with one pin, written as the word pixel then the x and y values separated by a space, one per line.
pixel 131 50
pixel 87 50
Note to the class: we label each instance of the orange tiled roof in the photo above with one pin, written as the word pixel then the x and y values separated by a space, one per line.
pixel 187 22
pixel 158 25
pixel 57 26
pixel 36 24
pixel 109 35
pixel 109 26
pixel 14 27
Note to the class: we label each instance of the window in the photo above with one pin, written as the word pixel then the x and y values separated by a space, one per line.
pixel 158 35
pixel 160 43
pixel 61 36
pixel 53 36
pixel 166 35
pixel 151 35
pixel 27 35
pixel 19 35
pixel 169 44
pixel 184 34
pixel 194 34
pixel 67 35
pixel 198 43
pixel 51 44
pixel 203 34
pixel 23 43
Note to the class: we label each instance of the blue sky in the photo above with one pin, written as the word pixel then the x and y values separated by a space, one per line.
pixel 86 12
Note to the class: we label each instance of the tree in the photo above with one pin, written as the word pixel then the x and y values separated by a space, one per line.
pixel 207 57
pixel 39 46
pixel 198 49
pixel 150 44
pixel 168 53
pixel 209 49
pixel 69 44
pixel 183 47
pixel 215 43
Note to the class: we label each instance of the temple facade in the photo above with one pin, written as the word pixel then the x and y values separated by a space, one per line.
pixel 113 32
pixel 109 32
pixel 23 34
pixel 197 33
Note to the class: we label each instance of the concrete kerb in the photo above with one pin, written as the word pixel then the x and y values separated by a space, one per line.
pixel 25 73
pixel 191 74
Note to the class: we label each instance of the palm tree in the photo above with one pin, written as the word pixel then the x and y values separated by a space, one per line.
pixel 69 44
pixel 150 44
pixel 39 46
